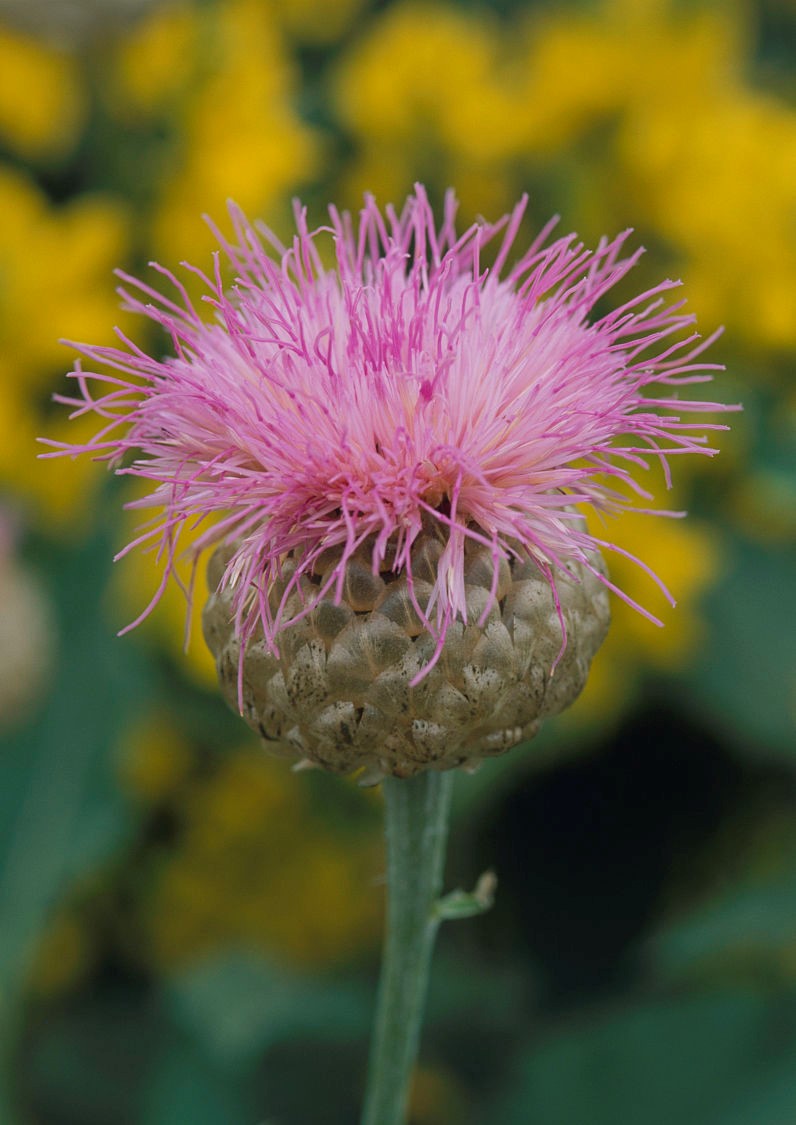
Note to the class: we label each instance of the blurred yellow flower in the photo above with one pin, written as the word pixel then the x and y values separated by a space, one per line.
pixel 56 265
pixel 437 1097
pixel 393 84
pixel 222 77
pixel 155 759
pixel 318 21
pixel 148 74
pixel 417 119
pixel 136 580
pixel 685 160
pixel 42 103
pixel 57 273
pixel 255 867
pixel 718 181
pixel 65 955
pixel 583 69
pixel 685 555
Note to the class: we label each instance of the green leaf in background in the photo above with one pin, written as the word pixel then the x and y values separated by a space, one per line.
pixel 185 1088
pixel 753 926
pixel 239 1005
pixel 749 682
pixel 61 808
pixel 699 1059
pixel 88 1061
pixel 115 1060
pixel 772 1101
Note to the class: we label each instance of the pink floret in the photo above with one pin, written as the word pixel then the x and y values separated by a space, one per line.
pixel 322 407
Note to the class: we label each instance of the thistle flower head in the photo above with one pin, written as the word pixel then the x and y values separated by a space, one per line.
pixel 384 379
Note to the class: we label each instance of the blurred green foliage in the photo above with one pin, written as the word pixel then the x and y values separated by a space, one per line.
pixel 189 932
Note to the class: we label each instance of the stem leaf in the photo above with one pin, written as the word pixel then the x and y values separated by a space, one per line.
pixel 467 904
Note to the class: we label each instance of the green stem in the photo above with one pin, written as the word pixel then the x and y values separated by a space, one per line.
pixel 417 829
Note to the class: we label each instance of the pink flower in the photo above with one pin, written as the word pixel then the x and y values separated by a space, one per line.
pixel 322 408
